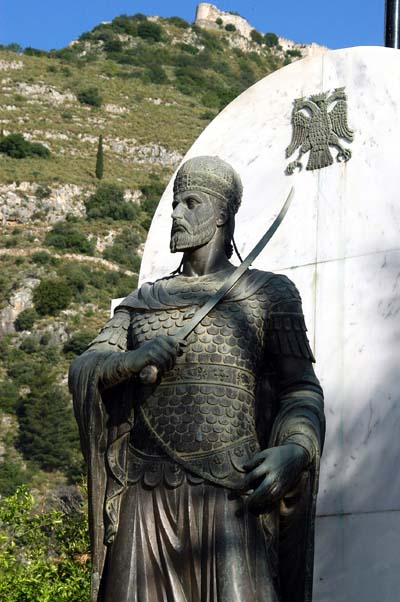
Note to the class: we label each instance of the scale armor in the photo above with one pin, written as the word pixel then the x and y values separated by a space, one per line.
pixel 204 409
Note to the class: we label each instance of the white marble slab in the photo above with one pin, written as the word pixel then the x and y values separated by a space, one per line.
pixel 357 346
pixel 357 558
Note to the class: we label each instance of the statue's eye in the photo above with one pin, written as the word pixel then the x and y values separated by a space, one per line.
pixel 191 203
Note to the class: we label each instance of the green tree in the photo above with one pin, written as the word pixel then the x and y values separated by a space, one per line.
pixel 15 146
pixel 271 39
pixel 12 475
pixel 48 434
pixel 150 31
pixel 25 319
pixel 100 159
pixel 230 27
pixel 44 556
pixel 108 202
pixel 51 296
pixel 78 342
pixel 256 36
pixel 124 250
pixel 66 236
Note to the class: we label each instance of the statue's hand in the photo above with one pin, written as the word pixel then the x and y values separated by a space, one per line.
pixel 272 474
pixel 161 352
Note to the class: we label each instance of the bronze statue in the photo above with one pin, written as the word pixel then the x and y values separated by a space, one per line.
pixel 202 486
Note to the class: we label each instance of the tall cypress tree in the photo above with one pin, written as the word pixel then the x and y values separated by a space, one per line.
pixel 100 159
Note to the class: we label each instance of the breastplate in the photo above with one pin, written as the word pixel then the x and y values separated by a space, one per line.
pixel 207 402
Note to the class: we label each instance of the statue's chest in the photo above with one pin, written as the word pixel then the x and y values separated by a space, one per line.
pixel 207 401
pixel 231 334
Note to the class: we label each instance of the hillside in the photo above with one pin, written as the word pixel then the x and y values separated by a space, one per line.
pixel 69 241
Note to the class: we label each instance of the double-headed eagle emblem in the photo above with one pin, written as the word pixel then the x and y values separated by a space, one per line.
pixel 315 130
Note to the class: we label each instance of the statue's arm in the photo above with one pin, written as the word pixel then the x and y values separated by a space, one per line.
pixel 298 430
pixel 300 416
pixel 117 363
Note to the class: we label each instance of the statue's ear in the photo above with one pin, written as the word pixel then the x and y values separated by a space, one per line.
pixel 222 215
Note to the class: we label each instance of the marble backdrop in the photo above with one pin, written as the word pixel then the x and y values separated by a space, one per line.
pixel 340 243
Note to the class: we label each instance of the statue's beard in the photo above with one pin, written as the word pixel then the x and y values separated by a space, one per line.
pixel 183 237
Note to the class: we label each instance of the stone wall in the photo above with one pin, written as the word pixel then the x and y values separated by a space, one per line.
pixel 207 14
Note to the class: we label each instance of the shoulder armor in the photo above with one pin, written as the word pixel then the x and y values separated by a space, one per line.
pixel 287 331
pixel 113 336
pixel 281 291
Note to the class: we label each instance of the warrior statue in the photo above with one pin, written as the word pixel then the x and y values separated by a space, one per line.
pixel 202 485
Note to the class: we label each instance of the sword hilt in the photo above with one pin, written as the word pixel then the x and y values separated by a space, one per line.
pixel 149 375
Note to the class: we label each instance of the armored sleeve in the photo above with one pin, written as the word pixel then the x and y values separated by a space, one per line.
pixel 112 342
pixel 300 396
pixel 286 328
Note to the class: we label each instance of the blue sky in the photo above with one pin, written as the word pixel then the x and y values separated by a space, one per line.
pixel 53 23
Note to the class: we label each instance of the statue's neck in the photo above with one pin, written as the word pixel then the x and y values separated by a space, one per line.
pixel 205 260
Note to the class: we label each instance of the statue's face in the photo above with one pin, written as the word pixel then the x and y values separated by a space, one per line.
pixel 194 220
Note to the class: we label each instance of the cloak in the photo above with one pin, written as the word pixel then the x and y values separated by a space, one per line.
pixel 105 418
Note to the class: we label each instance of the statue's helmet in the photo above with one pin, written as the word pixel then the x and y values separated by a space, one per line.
pixel 217 178
pixel 213 176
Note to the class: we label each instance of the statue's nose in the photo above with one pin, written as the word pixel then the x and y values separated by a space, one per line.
pixel 177 212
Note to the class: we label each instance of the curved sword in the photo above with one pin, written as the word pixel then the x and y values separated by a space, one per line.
pixel 149 374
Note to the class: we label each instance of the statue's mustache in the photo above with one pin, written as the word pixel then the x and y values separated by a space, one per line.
pixel 178 226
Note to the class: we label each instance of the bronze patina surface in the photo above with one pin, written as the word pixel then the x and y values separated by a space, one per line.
pixel 202 485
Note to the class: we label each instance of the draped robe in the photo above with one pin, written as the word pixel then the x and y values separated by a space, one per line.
pixel 286 412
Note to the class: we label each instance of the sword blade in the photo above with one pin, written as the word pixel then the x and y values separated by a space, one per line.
pixel 184 331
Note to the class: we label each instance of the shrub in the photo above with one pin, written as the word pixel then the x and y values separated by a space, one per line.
pixel 271 39
pixel 207 115
pixel 256 36
pixel 25 320
pixel 43 258
pixel 230 27
pixel 51 296
pixel 15 146
pixel 152 193
pixel 150 31
pixel 13 47
pixel 189 48
pixel 210 39
pixel 90 96
pixel 190 79
pixel 113 45
pixel 29 345
pixel 44 555
pixel 124 250
pixel 293 52
pixel 9 396
pixel 219 21
pixel 76 276
pixel 12 476
pixel 48 432
pixel 108 202
pixel 179 22
pixel 157 74
pixel 29 51
pixel 78 343
pixel 66 236
pixel 124 24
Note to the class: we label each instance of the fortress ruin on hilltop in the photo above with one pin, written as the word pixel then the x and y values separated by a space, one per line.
pixel 207 15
